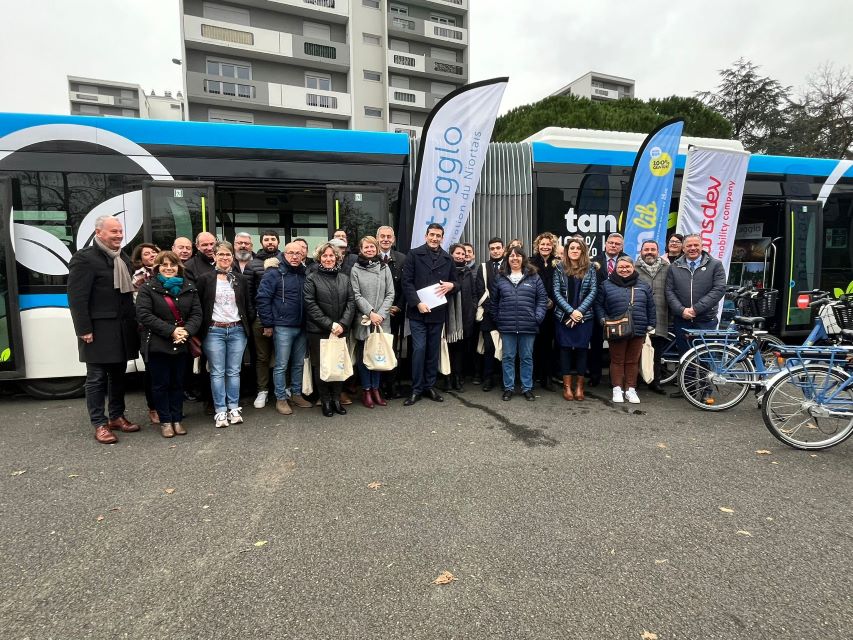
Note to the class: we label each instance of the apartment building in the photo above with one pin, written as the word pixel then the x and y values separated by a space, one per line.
pixel 370 65
pixel 598 86
pixel 93 97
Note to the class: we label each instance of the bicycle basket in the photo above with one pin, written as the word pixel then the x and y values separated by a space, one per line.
pixel 761 304
pixel 843 311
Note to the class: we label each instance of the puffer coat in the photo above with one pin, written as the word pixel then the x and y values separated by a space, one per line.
pixel 518 308
pixel 612 301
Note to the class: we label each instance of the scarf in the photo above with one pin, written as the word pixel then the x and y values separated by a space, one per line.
pixel 172 285
pixel 619 281
pixel 323 269
pixel 454 329
pixel 651 269
pixel 121 276
pixel 229 275
pixel 366 262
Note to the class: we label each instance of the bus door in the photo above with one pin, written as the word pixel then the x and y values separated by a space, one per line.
pixel 358 210
pixel 11 343
pixel 177 209
pixel 802 247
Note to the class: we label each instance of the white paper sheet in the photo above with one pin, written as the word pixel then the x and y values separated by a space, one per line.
pixel 429 296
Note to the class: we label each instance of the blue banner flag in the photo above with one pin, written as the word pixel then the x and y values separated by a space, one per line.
pixel 651 187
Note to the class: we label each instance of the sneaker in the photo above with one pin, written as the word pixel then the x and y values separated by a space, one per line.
pixel 220 420
pixel 261 400
pixel 618 395
pixel 283 407
pixel 235 416
pixel 632 397
pixel 507 396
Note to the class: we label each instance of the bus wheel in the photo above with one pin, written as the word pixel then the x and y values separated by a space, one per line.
pixel 54 388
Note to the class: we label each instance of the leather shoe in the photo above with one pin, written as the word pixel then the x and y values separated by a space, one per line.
pixel 377 398
pixel 528 395
pixel 412 399
pixel 432 394
pixel 507 396
pixel 122 423
pixel 344 399
pixel 178 428
pixel 104 435
pixel 656 388
pixel 367 399
pixel 327 409
pixel 297 400
pixel 166 430
pixel 153 416
pixel 338 408
pixel 488 384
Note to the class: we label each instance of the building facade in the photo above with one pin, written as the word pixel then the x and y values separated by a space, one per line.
pixel 108 98
pixel 598 86
pixel 370 65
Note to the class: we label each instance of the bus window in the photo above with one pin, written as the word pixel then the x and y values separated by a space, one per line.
pixel 359 211
pixel 804 235
pixel 177 209
pixel 11 353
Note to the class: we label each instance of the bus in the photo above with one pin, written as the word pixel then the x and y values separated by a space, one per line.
pixel 163 180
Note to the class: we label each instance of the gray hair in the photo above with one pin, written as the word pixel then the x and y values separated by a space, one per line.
pixel 243 234
pixel 385 226
pixel 99 222
pixel 692 235
pixel 616 235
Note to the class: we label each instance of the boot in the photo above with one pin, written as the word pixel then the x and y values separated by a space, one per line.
pixel 377 398
pixel 568 382
pixel 178 428
pixel 166 430
pixel 579 396
pixel 327 408
pixel 546 383
pixel 460 384
pixel 338 408
pixel 488 383
pixel 367 398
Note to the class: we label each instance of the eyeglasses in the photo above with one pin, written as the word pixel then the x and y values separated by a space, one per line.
pixel 223 255
pixel 293 253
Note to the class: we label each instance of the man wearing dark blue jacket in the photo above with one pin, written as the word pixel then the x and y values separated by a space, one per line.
pixel 281 314
pixel 427 266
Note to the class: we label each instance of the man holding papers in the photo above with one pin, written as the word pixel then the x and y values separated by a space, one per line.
pixel 428 277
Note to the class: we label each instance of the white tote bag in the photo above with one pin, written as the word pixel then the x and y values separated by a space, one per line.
pixel 647 360
pixel 444 356
pixel 307 378
pixel 335 361
pixel 496 340
pixel 379 351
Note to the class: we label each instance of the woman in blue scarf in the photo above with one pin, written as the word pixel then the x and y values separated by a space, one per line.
pixel 169 311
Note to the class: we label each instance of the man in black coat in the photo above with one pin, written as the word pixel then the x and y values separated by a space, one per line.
pixel 491 268
pixel 100 298
pixel 394 260
pixel 605 266
pixel 427 266
pixel 202 261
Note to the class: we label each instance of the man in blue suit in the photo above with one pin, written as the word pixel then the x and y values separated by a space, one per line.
pixel 426 265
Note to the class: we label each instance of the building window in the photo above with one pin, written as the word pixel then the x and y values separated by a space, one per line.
pixel 399 82
pixel 316 30
pixel 234 36
pixel 373 76
pixel 320 51
pixel 128 113
pixel 443 19
pixel 323 102
pixel 372 112
pixel 232 117
pixel 87 88
pixel 328 4
pixel 317 81
pixel 398 45
pixel 441 88
pixel 213 11
pixel 235 89
pixel 403 23
pixel 90 109
pixel 319 124
pixel 398 9
pixel 240 71
pixel 446 55
pixel 369 38
pixel 373 4
pixel 401 117
pixel 444 32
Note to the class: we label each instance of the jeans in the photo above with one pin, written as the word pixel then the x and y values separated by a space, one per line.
pixel 369 378
pixel 426 344
pixel 167 384
pixel 104 382
pixel 521 344
pixel 290 349
pixel 224 347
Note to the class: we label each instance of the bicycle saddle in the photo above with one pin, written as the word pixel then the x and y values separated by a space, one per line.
pixel 749 321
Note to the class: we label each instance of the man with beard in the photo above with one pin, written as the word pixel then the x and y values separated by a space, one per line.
pixel 652 270
pixel 263 344
pixel 394 260
pixel 202 261
pixel 183 248
pixel 242 251
pixel 486 274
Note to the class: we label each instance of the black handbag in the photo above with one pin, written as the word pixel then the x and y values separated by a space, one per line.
pixel 620 327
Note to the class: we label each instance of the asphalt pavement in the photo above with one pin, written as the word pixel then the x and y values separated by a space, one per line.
pixel 556 519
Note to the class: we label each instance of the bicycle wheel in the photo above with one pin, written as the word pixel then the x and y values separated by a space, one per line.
pixel 794 413
pixel 769 346
pixel 669 361
pixel 711 380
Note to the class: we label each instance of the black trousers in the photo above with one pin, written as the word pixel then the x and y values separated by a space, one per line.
pixel 105 383
pixel 488 355
pixel 659 343
pixel 167 383
pixel 595 359
pixel 459 356
pixel 573 361
pixel 543 349
pixel 328 391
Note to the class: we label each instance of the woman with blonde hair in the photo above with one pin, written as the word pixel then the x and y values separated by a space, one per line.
pixel 544 261
pixel 373 292
pixel 575 288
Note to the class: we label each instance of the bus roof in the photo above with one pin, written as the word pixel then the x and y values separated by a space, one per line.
pixel 213 134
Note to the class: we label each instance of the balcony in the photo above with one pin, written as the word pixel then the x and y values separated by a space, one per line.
pixel 267 96
pixel 412 99
pixel 327 10
pixel 447 6
pixel 426 31
pixel 93 98
pixel 597 93
pixel 414 64
pixel 409 129
pixel 238 40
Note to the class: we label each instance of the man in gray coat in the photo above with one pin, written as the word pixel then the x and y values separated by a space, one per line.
pixel 652 270
pixel 695 284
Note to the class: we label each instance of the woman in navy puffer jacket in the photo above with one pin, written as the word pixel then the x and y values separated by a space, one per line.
pixel 518 306
pixel 614 296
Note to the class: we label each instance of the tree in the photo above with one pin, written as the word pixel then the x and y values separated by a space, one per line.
pixel 753 104
pixel 627 114
pixel 820 120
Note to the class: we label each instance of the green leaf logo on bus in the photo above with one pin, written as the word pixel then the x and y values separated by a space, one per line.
pixel 840 292
pixel 5 355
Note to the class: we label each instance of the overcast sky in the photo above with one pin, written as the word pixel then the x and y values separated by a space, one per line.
pixel 666 47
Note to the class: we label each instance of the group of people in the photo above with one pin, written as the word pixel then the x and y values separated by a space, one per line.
pixel 271 309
